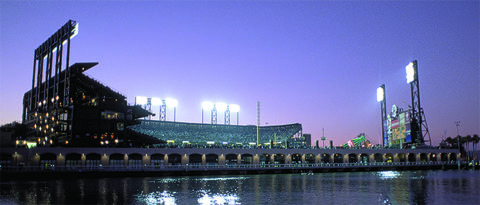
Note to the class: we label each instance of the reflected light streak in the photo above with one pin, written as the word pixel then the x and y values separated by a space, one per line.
pixel 388 174
pixel 157 198
pixel 218 199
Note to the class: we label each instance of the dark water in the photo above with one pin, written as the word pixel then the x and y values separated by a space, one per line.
pixel 386 187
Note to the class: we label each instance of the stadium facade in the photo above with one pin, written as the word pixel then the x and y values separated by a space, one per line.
pixel 65 107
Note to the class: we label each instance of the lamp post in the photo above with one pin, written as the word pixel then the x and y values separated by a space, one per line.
pixel 457 123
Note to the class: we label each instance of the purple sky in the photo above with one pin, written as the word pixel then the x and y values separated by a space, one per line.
pixel 314 63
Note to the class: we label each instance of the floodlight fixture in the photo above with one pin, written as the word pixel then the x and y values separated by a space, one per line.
pixel 207 105
pixel 156 101
pixel 171 102
pixel 221 107
pixel 380 93
pixel 141 100
pixel 234 108
pixel 75 30
pixel 410 70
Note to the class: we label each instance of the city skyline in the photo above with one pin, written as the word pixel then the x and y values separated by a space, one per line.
pixel 314 63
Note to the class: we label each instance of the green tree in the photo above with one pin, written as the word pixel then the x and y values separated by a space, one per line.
pixel 450 141
pixel 468 139
pixel 475 140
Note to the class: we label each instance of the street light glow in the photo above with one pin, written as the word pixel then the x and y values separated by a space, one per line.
pixel 380 94
pixel 141 100
pixel 207 105
pixel 171 102
pixel 410 72
pixel 234 108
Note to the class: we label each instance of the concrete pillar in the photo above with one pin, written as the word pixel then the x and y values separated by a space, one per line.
pixel 221 160
pixel 396 158
pixel 60 160
pixel 105 160
pixel 204 160
pixel 185 159
pixel 303 158
pixel 84 160
pixel 36 160
pixel 239 159
pixel 371 158
pixel 318 159
pixel 256 159
pixel 146 160
pixel 125 160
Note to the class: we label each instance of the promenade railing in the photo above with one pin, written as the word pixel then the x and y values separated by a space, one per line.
pixel 186 167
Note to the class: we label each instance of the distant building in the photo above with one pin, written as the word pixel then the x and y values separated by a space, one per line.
pixel 307 139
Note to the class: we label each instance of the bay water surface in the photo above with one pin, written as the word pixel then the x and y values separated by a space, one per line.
pixel 382 187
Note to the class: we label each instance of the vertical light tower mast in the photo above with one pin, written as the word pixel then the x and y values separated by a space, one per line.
pixel 383 109
pixel 214 115
pixel 227 115
pixel 417 114
pixel 163 111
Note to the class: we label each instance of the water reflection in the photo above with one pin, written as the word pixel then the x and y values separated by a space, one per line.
pixel 157 198
pixel 387 187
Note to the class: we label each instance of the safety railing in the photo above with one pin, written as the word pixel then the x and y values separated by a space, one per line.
pixel 179 167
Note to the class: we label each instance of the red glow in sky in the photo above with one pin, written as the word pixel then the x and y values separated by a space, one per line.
pixel 314 63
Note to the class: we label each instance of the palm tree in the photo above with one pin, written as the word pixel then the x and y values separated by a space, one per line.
pixel 457 141
pixel 468 139
pixel 475 140
pixel 450 141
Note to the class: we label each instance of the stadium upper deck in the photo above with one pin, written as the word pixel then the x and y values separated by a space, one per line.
pixel 198 133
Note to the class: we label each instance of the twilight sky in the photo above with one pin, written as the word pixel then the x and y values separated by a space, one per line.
pixel 317 63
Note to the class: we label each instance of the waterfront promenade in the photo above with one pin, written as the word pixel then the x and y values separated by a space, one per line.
pixel 195 161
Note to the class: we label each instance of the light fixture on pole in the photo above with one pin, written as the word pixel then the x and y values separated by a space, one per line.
pixel 417 115
pixel 140 100
pixel 172 103
pixel 222 107
pixel 457 123
pixel 383 111
pixel 235 108
pixel 157 102
pixel 207 106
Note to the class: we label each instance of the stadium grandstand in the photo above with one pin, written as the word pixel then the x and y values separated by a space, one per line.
pixel 67 108
pixel 204 134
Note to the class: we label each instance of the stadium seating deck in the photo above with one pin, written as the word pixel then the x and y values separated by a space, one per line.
pixel 219 134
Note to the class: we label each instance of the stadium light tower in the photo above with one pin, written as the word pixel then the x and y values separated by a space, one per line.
pixel 207 106
pixel 163 111
pixel 157 102
pixel 223 107
pixel 383 110
pixel 235 108
pixel 417 114
pixel 140 100
pixel 172 103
